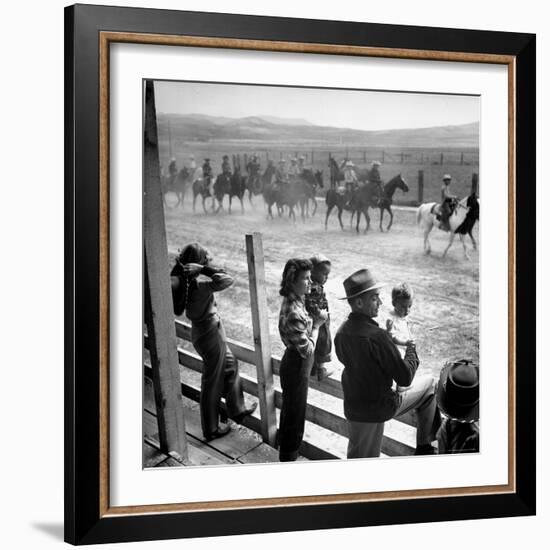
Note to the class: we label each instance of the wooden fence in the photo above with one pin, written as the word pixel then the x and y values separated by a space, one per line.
pixel 399 435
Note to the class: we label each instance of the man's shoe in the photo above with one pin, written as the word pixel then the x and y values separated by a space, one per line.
pixel 223 429
pixel 238 418
pixel 323 372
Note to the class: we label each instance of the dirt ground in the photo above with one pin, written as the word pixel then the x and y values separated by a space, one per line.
pixel 445 314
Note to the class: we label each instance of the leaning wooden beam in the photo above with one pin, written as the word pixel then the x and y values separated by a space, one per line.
pixel 159 315
pixel 262 343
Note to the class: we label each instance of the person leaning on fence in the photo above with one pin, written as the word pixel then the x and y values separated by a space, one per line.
pixel 458 401
pixel 371 363
pixel 299 332
pixel 194 282
pixel 316 301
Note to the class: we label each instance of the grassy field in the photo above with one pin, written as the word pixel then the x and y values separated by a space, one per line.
pixel 445 314
pixel 414 160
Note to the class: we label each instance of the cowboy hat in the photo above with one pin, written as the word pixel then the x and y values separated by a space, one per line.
pixel 375 163
pixel 360 282
pixel 458 391
pixel 447 177
pixel 349 163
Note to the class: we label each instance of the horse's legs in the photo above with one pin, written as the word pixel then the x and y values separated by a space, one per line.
pixel 427 245
pixel 241 198
pixel 368 219
pixel 194 200
pixel 340 218
pixel 451 239
pixel 391 218
pixel 358 214
pixel 381 218
pixel 329 210
pixel 474 243
pixel 204 204
pixel 314 206
pixel 463 241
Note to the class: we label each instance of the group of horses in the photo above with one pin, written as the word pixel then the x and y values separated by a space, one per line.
pixel 464 213
pixel 299 191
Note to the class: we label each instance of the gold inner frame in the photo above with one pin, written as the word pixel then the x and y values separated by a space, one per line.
pixel 105 39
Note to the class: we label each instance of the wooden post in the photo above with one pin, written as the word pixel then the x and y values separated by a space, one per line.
pixel 462 158
pixel 364 157
pixel 420 186
pixel 402 156
pixel 159 312
pixel 312 157
pixel 475 181
pixel 383 157
pixel 262 342
pixel 441 159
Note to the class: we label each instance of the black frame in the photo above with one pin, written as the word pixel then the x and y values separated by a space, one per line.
pixel 83 524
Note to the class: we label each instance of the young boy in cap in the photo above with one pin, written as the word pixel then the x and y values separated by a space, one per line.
pixel 316 301
pixel 458 401
pixel 397 324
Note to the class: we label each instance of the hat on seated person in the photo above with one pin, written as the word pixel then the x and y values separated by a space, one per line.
pixel 375 163
pixel 360 282
pixel 458 391
pixel 447 177
pixel 349 163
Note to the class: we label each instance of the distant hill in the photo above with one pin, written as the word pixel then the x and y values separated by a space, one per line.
pixel 196 127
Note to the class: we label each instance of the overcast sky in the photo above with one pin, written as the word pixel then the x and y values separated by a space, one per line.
pixel 364 110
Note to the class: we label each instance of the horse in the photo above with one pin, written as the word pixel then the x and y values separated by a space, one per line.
pixel 176 184
pixel 461 222
pixel 202 187
pixel 309 181
pixel 222 185
pixel 340 200
pixel 289 194
pixel 270 190
pixel 237 188
pixel 368 196
pixel 336 173
pixel 253 181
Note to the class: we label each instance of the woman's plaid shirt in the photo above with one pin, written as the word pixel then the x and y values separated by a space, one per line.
pixel 295 326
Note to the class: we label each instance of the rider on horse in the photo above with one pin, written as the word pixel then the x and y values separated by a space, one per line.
pixel 374 178
pixel 301 164
pixel 280 173
pixel 172 169
pixel 226 166
pixel 207 175
pixel 448 201
pixel 350 177
pixel 293 170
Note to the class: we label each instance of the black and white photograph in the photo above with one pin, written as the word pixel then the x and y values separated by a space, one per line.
pixel 322 250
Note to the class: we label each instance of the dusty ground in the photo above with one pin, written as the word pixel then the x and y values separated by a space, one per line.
pixel 445 314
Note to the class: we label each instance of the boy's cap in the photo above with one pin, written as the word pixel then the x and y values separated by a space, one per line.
pixel 320 259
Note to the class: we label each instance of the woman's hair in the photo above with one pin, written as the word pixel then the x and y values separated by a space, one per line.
pixel 291 271
pixel 193 253
pixel 402 291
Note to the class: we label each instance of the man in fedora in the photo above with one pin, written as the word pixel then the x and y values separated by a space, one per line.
pixel 458 401
pixel 371 363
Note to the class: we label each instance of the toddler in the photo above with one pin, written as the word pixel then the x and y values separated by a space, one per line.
pixel 316 301
pixel 397 324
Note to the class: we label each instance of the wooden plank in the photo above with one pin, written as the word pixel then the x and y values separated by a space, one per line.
pixel 152 456
pixel 262 342
pixel 159 314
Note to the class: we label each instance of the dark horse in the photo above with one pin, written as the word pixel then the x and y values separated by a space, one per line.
pixel 368 196
pixel 201 186
pixel 336 173
pixel 340 200
pixel 176 184
pixel 270 189
pixel 222 186
pixel 237 188
pixel 309 181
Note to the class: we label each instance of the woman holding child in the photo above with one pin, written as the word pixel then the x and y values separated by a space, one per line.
pixel 299 332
